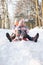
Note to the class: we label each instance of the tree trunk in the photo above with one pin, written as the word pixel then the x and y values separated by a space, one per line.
pixel 42 12
pixel 37 13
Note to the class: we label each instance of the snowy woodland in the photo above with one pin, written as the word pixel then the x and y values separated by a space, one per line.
pixel 21 52
pixel 30 10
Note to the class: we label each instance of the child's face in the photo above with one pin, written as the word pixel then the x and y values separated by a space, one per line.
pixel 22 23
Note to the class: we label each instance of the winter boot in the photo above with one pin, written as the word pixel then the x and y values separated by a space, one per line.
pixel 36 37
pixel 8 36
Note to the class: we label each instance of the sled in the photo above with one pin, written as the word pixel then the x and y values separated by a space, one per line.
pixel 20 39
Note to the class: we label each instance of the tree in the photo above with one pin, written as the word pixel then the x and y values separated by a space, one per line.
pixel 24 7
pixel 4 15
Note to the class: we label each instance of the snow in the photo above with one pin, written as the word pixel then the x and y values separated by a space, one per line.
pixel 21 52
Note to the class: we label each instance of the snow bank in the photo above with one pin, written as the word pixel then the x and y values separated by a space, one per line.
pixel 21 52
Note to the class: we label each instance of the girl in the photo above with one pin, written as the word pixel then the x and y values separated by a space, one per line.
pixel 24 30
pixel 13 35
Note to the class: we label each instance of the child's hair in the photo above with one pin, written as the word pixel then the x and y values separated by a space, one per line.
pixel 16 22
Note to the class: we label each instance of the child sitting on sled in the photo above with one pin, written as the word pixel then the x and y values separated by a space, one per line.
pixel 24 31
pixel 21 30
pixel 13 35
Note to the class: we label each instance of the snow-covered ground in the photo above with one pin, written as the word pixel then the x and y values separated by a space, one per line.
pixel 21 52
